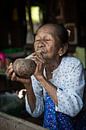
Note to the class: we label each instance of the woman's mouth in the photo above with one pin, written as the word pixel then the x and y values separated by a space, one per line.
pixel 41 50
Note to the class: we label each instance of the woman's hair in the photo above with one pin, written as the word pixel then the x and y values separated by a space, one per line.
pixel 61 32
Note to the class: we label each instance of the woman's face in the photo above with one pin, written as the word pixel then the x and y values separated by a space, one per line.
pixel 46 42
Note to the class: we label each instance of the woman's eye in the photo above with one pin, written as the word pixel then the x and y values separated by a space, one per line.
pixel 37 40
pixel 47 40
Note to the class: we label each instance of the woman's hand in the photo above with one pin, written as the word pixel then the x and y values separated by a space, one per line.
pixel 9 72
pixel 40 63
pixel 11 75
pixel 27 84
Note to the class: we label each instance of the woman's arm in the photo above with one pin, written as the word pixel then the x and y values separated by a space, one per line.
pixel 31 97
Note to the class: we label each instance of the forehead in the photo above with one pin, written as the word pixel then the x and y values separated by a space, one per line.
pixel 46 30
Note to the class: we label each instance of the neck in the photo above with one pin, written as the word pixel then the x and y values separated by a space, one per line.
pixel 53 64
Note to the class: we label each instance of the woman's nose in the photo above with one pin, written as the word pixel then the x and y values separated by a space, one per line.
pixel 41 44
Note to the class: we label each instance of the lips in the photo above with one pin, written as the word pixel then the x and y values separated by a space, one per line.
pixel 41 50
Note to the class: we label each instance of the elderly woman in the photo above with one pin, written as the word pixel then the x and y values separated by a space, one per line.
pixel 56 88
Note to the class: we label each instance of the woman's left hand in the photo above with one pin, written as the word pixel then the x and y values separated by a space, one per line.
pixel 40 63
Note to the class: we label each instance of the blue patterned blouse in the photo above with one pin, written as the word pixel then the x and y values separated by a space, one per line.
pixel 70 81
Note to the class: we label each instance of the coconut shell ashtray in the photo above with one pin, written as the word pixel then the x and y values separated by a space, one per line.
pixel 24 67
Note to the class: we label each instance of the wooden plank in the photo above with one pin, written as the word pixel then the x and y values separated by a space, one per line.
pixel 8 122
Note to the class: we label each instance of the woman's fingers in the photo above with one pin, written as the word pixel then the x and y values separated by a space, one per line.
pixel 38 57
pixel 13 76
pixel 9 71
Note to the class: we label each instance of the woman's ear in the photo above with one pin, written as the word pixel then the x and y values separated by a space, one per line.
pixel 63 50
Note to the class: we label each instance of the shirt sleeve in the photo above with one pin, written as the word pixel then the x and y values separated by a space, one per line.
pixel 70 94
pixel 39 99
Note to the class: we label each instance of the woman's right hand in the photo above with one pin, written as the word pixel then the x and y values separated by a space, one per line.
pixel 11 75
pixel 9 72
